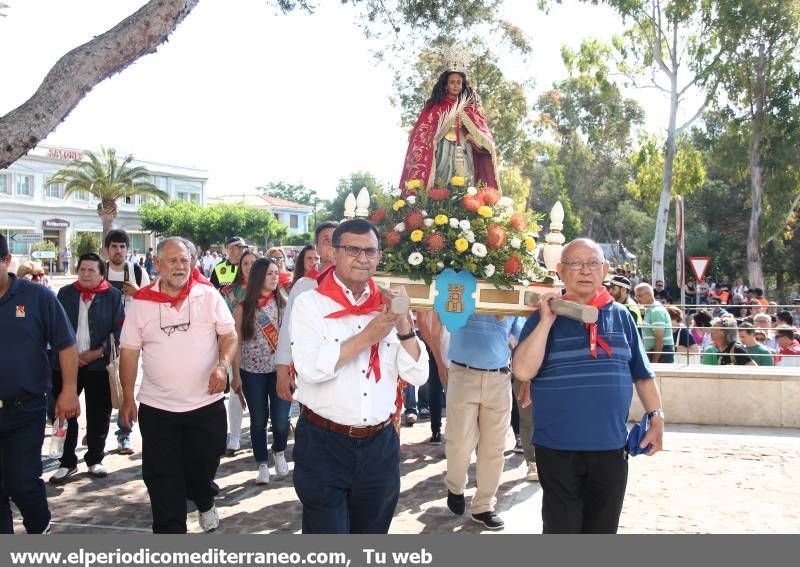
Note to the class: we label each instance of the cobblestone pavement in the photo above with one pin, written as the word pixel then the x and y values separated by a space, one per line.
pixel 710 480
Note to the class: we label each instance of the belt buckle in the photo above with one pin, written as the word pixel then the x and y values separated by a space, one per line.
pixel 2 404
pixel 350 431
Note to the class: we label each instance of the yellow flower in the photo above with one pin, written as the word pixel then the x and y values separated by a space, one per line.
pixel 441 219
pixel 413 184
pixel 462 245
pixel 530 244
pixel 457 181
pixel 417 235
pixel 399 204
pixel 485 211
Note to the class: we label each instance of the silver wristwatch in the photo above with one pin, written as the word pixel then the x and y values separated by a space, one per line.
pixel 656 413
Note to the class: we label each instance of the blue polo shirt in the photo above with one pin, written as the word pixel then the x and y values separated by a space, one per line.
pixel 483 341
pixel 581 403
pixel 31 318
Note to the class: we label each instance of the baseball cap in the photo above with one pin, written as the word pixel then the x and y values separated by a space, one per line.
pixel 621 281
pixel 236 241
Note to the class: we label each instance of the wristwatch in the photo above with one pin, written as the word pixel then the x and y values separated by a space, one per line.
pixel 410 335
pixel 656 413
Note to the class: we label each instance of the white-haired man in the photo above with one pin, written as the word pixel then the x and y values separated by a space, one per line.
pixel 656 327
pixel 582 377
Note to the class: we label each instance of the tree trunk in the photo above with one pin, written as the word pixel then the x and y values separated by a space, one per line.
pixel 107 211
pixel 77 72
pixel 754 272
pixel 662 217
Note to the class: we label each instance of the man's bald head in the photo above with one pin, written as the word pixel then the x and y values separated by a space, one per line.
pixel 583 242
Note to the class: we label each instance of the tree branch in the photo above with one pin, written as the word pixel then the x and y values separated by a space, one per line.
pixel 697 114
pixel 788 219
pixel 77 73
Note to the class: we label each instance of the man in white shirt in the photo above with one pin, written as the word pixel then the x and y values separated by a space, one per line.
pixel 348 350
pixel 128 277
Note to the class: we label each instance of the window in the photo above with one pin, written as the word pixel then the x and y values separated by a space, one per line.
pixel 53 191
pixel 292 221
pixel 81 196
pixel 160 181
pixel 3 183
pixel 194 198
pixel 14 246
pixel 25 185
pixel 277 216
pixel 182 196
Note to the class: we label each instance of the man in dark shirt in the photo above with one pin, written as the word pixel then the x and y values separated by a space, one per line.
pixel 31 318
pixel 661 293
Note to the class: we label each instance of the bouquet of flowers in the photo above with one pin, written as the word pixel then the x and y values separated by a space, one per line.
pixel 463 228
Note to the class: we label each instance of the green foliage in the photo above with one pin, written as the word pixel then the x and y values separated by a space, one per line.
pixel 298 239
pixel 334 209
pixel 44 246
pixel 296 193
pixel 516 186
pixel 211 224
pixel 83 243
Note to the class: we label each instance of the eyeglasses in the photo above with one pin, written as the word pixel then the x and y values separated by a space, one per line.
pixel 169 329
pixel 355 251
pixel 576 265
pixel 277 259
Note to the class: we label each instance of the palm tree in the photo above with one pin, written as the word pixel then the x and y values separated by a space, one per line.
pixel 108 180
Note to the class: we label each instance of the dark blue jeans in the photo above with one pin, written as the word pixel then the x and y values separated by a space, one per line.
pixel 260 391
pixel 346 485
pixel 21 438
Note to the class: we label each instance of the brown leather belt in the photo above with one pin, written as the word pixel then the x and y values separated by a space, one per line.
pixel 349 430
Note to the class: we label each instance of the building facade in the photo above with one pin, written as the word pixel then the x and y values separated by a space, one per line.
pixel 29 208
pixel 296 217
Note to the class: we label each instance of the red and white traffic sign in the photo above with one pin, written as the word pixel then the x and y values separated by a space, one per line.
pixel 699 266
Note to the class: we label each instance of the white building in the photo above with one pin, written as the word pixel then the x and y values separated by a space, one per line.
pixel 27 206
pixel 293 215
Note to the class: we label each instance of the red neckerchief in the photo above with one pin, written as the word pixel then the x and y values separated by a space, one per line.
pixel 264 299
pixel 148 293
pixel 284 279
pixel 200 278
pixel 87 294
pixel 328 287
pixel 315 273
pixel 601 299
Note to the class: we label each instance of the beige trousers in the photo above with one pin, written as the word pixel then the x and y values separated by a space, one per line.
pixel 478 416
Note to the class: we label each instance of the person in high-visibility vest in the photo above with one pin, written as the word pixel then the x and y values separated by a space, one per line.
pixel 224 272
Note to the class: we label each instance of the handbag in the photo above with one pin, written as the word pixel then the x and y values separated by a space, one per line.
pixel 635 436
pixel 113 374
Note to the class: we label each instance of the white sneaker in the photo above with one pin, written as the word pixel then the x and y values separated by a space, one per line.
pixel 281 466
pixel 98 471
pixel 62 474
pixel 533 475
pixel 209 520
pixel 263 474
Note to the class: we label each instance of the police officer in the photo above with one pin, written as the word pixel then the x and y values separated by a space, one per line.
pixel 224 272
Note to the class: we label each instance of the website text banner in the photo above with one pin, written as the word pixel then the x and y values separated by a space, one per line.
pixel 394 551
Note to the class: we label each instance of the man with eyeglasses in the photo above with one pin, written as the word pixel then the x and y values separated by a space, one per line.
pixel 188 337
pixel 581 376
pixel 656 327
pixel 349 349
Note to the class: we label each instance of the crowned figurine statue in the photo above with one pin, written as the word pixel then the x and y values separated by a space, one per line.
pixel 451 137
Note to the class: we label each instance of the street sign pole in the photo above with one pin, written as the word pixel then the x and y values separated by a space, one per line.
pixel 679 272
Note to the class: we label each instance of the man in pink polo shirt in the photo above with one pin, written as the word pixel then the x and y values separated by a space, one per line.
pixel 188 338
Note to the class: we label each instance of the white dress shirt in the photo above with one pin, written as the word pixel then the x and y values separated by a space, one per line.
pixel 284 353
pixel 347 396
pixel 82 336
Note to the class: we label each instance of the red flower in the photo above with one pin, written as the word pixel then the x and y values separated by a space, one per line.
pixel 495 236
pixel 489 195
pixel 519 222
pixel 434 242
pixel 393 238
pixel 438 194
pixel 513 266
pixel 414 220
pixel 472 203
pixel 378 216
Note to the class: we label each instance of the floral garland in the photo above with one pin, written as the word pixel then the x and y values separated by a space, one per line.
pixel 463 228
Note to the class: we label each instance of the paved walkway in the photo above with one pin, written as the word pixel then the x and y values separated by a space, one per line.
pixel 710 480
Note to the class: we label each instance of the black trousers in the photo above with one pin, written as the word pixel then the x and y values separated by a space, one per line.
pixel 180 457
pixel 94 384
pixel 346 485
pixel 582 491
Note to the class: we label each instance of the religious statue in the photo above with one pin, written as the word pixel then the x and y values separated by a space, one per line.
pixel 451 137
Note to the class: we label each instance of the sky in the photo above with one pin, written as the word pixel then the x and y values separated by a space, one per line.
pixel 252 96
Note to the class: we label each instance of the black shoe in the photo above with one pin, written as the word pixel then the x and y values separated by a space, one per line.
pixel 489 519
pixel 456 503
pixel 436 439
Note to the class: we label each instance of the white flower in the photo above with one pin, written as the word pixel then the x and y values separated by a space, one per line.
pixel 454 222
pixel 424 213
pixel 395 193
pixel 464 224
pixel 479 249
pixel 488 270
pixel 415 259
pixel 472 191
pixel 515 242
pixel 506 202
pixel 440 265
pixel 400 227
pixel 428 222
pixel 525 283
pixel 411 199
pixel 469 235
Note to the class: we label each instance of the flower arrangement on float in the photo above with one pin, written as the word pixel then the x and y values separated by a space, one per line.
pixel 453 226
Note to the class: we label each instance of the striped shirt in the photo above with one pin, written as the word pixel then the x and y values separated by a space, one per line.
pixel 581 403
